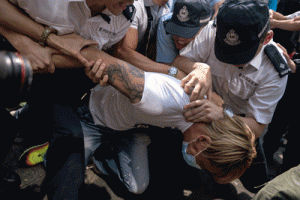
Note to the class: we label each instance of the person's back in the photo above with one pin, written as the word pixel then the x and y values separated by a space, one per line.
pixel 162 105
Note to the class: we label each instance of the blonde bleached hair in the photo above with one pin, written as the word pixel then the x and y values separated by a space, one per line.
pixel 232 144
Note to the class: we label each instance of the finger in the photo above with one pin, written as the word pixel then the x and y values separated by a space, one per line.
pixel 53 50
pixel 103 82
pixel 198 117
pixel 89 66
pixel 184 81
pixel 51 68
pixel 99 73
pixel 188 87
pixel 82 59
pixel 196 93
pixel 193 104
pixel 209 93
pixel 96 66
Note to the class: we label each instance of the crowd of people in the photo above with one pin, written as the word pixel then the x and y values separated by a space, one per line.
pixel 192 94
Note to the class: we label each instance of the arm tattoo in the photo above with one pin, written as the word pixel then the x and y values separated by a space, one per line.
pixel 127 79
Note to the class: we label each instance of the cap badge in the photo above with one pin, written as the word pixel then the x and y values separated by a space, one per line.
pixel 232 38
pixel 183 14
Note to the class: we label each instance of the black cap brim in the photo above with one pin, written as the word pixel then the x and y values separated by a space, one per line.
pixel 185 32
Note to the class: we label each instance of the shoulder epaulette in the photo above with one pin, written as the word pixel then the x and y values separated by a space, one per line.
pixel 277 60
pixel 129 12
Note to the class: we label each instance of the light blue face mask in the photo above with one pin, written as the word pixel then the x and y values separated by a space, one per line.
pixel 189 159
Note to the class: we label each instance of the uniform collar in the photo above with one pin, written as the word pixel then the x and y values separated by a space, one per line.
pixel 257 60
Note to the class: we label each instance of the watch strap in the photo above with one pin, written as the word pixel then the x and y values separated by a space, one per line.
pixel 47 31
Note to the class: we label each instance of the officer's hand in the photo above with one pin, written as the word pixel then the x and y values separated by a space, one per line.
pixel 291 63
pixel 95 73
pixel 198 83
pixel 39 56
pixel 202 111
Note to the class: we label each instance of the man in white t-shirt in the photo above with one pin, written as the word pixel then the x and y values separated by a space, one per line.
pixel 158 100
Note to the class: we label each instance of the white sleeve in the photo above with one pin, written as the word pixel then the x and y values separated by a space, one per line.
pixel 138 14
pixel 263 102
pixel 292 16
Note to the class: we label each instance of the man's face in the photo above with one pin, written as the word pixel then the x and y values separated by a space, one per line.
pixel 181 42
pixel 116 7
pixel 160 2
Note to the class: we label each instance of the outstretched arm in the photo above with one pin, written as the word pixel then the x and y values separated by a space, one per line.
pixel 123 76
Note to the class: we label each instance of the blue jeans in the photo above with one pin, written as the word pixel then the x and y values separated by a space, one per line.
pixel 122 154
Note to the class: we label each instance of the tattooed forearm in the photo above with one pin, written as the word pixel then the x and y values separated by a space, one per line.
pixel 127 79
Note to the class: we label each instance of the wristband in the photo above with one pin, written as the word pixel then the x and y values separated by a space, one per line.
pixel 47 31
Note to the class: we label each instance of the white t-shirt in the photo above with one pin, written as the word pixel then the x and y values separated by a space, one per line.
pixel 161 105
pixel 74 16
pixel 140 20
pixel 253 91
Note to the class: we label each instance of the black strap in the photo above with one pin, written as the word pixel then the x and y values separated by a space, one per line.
pixel 129 12
pixel 105 17
pixel 145 42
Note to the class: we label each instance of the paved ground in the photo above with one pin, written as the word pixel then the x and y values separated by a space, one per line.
pixel 32 179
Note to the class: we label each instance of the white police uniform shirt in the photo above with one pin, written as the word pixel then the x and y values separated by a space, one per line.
pixel 253 91
pixel 161 105
pixel 106 34
pixel 165 46
pixel 74 16
pixel 140 20
pixel 66 16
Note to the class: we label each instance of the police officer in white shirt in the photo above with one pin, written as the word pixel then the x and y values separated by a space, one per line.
pixel 142 33
pixel 139 25
pixel 242 74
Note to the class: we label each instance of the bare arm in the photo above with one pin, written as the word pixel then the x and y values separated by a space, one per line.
pixel 289 25
pixel 126 78
pixel 135 58
pixel 13 18
pixel 256 128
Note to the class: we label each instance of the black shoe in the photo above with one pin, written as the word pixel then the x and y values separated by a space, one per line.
pixel 9 180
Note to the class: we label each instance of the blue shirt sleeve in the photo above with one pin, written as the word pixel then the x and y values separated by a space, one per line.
pixel 273 4
pixel 165 47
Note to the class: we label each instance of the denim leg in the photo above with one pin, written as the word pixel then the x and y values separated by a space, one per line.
pixel 92 139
